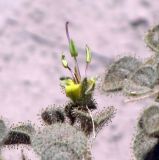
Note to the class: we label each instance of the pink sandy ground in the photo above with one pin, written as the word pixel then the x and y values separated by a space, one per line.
pixel 32 38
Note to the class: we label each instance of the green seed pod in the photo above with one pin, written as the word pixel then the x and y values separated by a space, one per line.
pixel 88 55
pixel 64 62
pixel 73 49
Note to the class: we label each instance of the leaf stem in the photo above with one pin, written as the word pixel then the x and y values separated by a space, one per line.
pixel 93 126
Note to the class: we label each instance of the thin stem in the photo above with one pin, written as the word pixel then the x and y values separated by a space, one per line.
pixel 22 154
pixel 67 32
pixel 141 97
pixel 77 81
pixel 86 69
pixel 73 76
pixel 76 63
pixel 78 71
pixel 93 126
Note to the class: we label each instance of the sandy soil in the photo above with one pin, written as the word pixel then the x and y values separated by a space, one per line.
pixel 32 38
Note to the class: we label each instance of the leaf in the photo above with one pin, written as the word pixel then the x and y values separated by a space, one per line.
pixel 118 72
pixel 145 76
pixel 152 39
pixel 150 120
pixel 141 82
pixel 131 88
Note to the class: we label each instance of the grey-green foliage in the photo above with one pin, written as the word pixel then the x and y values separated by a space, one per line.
pixel 152 38
pixel 132 89
pixel 146 143
pixel 20 134
pixel 118 71
pixel 100 119
pixel 3 134
pixel 83 120
pixel 53 114
pixel 141 81
pixel 143 144
pixel 150 121
pixel 133 76
pixel 145 76
pixel 3 130
pixel 60 141
pixel 24 128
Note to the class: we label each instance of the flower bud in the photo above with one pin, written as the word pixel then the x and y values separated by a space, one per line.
pixel 64 62
pixel 73 49
pixel 88 54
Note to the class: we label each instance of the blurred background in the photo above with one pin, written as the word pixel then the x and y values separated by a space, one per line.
pixel 32 38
